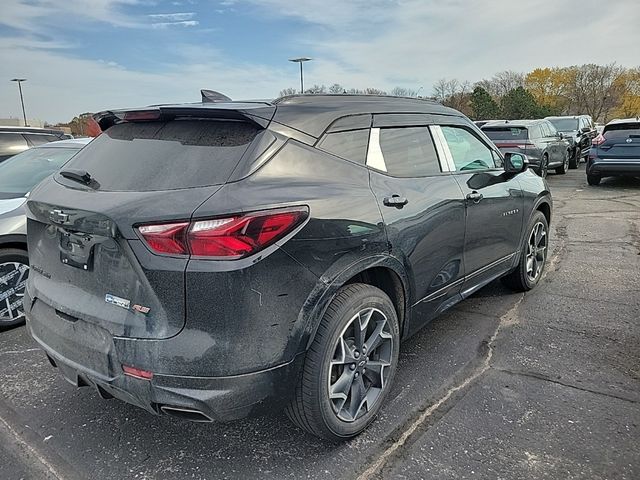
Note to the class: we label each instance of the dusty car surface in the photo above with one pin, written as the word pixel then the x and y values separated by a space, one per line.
pixel 211 261
pixel 18 176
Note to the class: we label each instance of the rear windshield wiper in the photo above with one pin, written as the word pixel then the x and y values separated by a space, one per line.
pixel 80 176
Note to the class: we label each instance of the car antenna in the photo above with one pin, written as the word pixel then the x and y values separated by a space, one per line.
pixel 211 96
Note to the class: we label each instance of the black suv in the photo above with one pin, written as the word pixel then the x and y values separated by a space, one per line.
pixel 14 140
pixel 209 261
pixel 538 140
pixel 580 131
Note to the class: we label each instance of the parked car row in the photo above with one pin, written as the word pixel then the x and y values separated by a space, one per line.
pixel 14 140
pixel 557 143
pixel 210 261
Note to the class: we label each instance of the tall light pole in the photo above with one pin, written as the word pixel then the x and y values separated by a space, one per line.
pixel 301 60
pixel 20 80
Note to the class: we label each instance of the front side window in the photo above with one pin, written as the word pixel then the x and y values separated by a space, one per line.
pixel 404 152
pixel 351 145
pixel 467 151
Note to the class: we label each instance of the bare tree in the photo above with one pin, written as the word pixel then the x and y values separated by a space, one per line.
pixel 374 91
pixel 316 89
pixel 453 93
pixel 336 88
pixel 502 83
pixel 597 89
pixel 288 91
pixel 404 92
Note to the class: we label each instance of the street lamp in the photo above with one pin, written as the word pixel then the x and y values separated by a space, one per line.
pixel 20 80
pixel 301 60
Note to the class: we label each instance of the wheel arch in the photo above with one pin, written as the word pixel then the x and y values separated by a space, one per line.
pixel 381 271
pixel 14 241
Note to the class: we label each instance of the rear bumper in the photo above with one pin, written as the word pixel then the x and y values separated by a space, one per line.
pixel 96 363
pixel 604 168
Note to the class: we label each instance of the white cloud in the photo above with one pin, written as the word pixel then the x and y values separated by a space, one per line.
pixel 173 17
pixel 185 23
pixel 414 42
pixel 358 43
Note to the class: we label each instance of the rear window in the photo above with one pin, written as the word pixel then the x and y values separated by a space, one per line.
pixel 149 156
pixel 621 130
pixel 565 124
pixel 506 133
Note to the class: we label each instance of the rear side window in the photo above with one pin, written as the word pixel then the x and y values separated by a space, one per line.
pixel 40 139
pixel 408 152
pixel 506 133
pixel 149 156
pixel 12 143
pixel 351 145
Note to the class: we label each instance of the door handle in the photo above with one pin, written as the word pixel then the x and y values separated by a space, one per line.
pixel 395 201
pixel 475 197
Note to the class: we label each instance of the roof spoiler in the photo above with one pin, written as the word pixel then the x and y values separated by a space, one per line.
pixel 211 96
pixel 109 118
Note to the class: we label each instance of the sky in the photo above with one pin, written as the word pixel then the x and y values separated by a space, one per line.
pixel 90 55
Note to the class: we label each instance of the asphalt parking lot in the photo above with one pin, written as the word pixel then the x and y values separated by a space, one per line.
pixel 542 385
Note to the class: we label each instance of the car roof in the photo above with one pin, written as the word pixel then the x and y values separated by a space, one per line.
pixel 514 123
pixel 558 117
pixel 15 129
pixel 70 143
pixel 624 120
pixel 310 114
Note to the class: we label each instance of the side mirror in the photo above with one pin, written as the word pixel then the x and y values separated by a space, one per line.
pixel 515 162
pixel 560 135
pixel 585 130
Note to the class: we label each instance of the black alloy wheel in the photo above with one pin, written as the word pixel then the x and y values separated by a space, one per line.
pixel 533 256
pixel 14 271
pixel 562 169
pixel 350 365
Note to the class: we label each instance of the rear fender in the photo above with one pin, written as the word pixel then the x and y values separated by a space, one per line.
pixel 331 282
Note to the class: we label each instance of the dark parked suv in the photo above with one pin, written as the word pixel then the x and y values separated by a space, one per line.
pixel 209 261
pixel 544 147
pixel 580 131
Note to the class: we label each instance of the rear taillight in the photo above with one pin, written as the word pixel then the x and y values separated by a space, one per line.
pixel 228 238
pixel 599 140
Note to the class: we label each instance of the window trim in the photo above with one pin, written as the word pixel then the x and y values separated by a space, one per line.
pixel 446 151
pixel 375 158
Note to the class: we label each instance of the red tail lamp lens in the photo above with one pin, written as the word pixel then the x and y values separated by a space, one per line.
pixel 599 140
pixel 166 238
pixel 224 238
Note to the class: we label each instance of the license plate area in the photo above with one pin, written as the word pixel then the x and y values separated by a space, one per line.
pixel 77 249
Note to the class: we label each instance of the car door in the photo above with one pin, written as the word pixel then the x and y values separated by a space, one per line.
pixel 557 144
pixel 423 211
pixel 493 204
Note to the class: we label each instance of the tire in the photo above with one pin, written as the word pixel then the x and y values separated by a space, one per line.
pixel 593 180
pixel 562 169
pixel 543 169
pixel 521 279
pixel 575 159
pixel 332 365
pixel 14 270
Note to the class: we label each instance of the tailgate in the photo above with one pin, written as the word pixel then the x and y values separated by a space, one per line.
pixel 86 270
